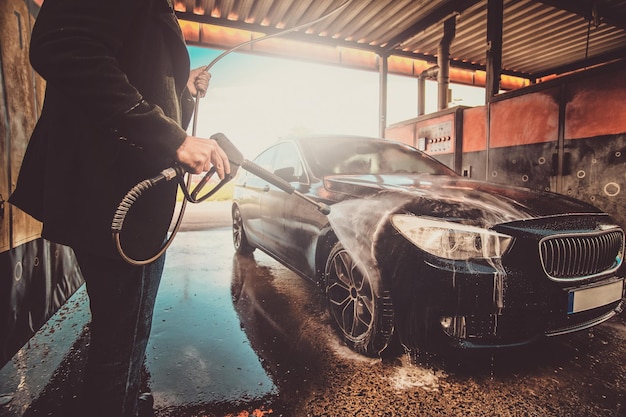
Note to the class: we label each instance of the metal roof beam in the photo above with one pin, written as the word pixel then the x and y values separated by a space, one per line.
pixel 191 17
pixel 437 15
pixel 298 36
pixel 495 11
pixel 597 11
pixel 578 65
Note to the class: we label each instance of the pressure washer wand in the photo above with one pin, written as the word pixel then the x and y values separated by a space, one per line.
pixel 237 160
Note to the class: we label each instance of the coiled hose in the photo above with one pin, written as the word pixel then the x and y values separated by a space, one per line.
pixel 127 202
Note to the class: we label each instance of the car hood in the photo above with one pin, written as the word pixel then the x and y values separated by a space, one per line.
pixel 455 198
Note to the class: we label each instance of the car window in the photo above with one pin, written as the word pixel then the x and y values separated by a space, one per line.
pixel 288 164
pixel 350 156
pixel 266 161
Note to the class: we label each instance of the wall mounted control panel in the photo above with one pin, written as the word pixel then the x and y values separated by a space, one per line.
pixel 436 139
pixel 438 134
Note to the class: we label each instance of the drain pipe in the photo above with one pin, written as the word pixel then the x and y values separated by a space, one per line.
pixel 440 72
pixel 430 73
pixel 443 61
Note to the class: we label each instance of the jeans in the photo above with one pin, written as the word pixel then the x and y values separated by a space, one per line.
pixel 121 298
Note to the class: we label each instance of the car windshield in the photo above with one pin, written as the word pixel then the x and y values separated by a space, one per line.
pixel 354 156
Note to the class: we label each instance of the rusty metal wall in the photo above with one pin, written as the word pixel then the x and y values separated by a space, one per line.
pixel 523 136
pixel 595 141
pixel 567 135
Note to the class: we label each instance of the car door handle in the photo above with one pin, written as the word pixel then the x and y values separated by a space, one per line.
pixel 266 188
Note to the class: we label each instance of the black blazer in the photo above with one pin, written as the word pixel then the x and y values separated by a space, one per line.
pixel 116 74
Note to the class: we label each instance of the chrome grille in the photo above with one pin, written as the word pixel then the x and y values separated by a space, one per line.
pixel 576 256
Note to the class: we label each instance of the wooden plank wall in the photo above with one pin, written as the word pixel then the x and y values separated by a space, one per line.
pixel 22 93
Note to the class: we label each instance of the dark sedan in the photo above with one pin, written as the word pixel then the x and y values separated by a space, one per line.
pixel 413 252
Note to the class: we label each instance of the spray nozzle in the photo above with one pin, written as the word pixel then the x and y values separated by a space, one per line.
pixel 237 160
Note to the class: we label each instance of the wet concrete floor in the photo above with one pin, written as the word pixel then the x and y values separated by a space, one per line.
pixel 237 336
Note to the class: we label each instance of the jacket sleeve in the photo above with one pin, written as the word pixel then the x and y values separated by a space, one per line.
pixel 74 46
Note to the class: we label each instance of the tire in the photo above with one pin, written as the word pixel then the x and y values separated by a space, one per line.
pixel 362 314
pixel 240 241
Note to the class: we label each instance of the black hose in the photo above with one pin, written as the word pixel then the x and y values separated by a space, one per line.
pixel 127 202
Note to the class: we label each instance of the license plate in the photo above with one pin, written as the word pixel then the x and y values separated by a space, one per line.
pixel 592 297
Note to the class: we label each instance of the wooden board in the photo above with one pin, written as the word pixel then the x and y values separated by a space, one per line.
pixel 20 105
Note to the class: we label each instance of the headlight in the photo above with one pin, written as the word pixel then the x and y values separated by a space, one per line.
pixel 451 240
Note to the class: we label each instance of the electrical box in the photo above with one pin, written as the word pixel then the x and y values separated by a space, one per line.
pixel 437 134
pixel 436 139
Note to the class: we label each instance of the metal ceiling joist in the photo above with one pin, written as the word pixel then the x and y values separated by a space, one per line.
pixel 428 19
pixel 495 13
pixel 595 11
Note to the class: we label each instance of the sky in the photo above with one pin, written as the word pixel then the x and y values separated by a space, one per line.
pixel 255 100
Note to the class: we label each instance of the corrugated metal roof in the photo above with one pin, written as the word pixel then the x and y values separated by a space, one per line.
pixel 539 38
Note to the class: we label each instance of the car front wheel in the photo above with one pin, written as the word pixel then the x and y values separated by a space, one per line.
pixel 362 311
pixel 240 241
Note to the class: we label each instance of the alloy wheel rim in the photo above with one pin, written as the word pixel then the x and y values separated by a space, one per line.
pixel 351 297
pixel 237 229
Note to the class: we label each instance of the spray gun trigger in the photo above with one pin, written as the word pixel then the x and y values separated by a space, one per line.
pixel 234 156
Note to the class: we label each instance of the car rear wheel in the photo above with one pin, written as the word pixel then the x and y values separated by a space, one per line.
pixel 362 311
pixel 240 241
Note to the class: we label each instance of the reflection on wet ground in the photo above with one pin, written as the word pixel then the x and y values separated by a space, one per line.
pixel 196 338
pixel 237 336
pixel 253 340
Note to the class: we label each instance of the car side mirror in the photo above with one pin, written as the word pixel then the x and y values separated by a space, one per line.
pixel 287 174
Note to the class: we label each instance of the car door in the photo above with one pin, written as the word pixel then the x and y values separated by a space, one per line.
pixel 291 245
pixel 250 192
pixel 272 209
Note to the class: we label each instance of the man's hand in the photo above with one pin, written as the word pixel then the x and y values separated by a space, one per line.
pixel 198 82
pixel 199 155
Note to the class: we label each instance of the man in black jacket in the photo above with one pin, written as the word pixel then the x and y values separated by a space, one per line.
pixel 118 99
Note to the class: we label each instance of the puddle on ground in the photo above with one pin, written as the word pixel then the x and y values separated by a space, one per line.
pixel 198 351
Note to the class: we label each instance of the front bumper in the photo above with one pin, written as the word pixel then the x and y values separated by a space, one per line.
pixel 487 303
